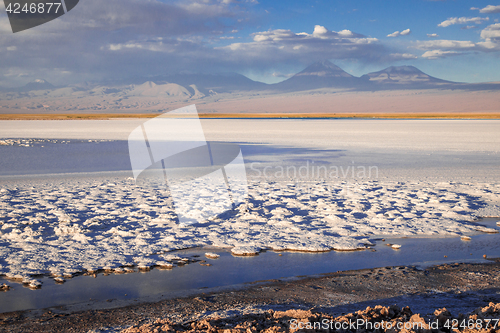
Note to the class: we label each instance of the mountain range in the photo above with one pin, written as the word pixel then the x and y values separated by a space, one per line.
pixel 38 84
pixel 318 75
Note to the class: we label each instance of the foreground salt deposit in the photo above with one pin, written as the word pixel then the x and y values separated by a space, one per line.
pixel 65 227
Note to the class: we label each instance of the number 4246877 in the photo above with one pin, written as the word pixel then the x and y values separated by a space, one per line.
pixel 33 8
pixel 471 324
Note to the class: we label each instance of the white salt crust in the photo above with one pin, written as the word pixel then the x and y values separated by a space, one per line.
pixel 85 225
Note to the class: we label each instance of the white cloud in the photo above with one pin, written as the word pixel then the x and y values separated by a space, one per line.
pixel 319 33
pixel 402 33
pixel 100 39
pixel 492 31
pixel 157 46
pixel 403 56
pixel 432 35
pixel 280 46
pixel 115 47
pixel 405 32
pixel 436 54
pixel 444 44
pixel 490 9
pixel 491 36
pixel 319 30
pixel 443 48
pixel 490 44
pixel 278 74
pixel 345 33
pixel 274 35
pixel 11 48
pixel 462 20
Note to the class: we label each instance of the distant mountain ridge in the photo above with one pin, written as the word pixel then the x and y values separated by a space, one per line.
pixel 319 75
pixel 38 84
pixel 404 76
pixel 324 74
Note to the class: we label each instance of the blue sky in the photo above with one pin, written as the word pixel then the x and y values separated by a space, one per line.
pixel 265 40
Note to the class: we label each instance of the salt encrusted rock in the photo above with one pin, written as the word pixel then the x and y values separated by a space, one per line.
pixel 245 251
pixel 15 276
pixel 164 264
pixel 498 223
pixel 465 238
pixel 59 280
pixel 32 283
pixel 4 287
pixel 491 311
pixel 342 248
pixel 35 284
pixel 170 257
pixel 487 230
pixel 396 246
pixel 118 270
pixel 211 255
pixel 143 267
pixel 442 315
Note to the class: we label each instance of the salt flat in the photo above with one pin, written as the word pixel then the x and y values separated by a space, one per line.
pixel 69 223
pixel 430 135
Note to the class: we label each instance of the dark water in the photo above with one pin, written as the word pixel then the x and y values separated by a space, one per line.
pixel 81 156
pixel 229 270
pixel 64 156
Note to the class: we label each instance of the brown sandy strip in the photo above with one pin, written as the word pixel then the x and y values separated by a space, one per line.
pixel 249 309
pixel 107 116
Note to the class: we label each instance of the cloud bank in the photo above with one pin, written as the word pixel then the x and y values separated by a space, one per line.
pixel 462 20
pixel 117 39
pixel 490 9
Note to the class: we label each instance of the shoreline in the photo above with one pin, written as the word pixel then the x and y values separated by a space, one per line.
pixel 460 287
pixel 440 250
pixel 388 115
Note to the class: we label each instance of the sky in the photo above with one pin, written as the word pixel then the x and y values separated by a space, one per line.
pixel 265 40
